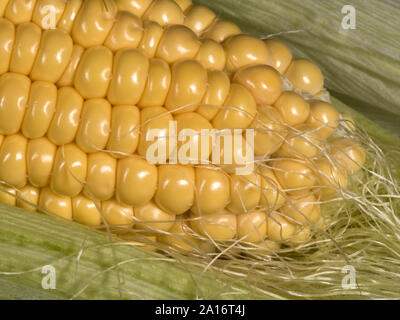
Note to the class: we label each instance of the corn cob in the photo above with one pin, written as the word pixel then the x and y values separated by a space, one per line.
pixel 113 90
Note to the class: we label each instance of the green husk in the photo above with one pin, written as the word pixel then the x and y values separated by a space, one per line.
pixel 90 265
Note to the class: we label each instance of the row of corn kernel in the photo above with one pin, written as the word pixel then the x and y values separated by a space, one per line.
pixel 186 85
pixel 58 113
pixel 132 180
pixel 126 32
pixel 150 220
pixel 253 227
pixel 26 50
pixel 124 81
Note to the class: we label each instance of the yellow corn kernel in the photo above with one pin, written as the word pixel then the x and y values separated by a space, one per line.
pixel 131 68
pixel 71 11
pixel 179 238
pixel 20 11
pixel 272 195
pixel 213 191
pixel 222 30
pixel 152 34
pixel 31 196
pixel 233 152
pixel 93 75
pixel 14 93
pixel 101 173
pixel 323 116
pixel 252 226
pixel 94 126
pixel 300 236
pixel 269 131
pixel 7 38
pixel 13 160
pixel 331 177
pixel 184 4
pixel 85 211
pixel 164 12
pixel 65 122
pixel 56 204
pixel 40 110
pixel 178 42
pixel 136 7
pixel 348 154
pixel 151 218
pixel 303 208
pixel 157 85
pixel 211 55
pixel 303 143
pixel 199 18
pixel 218 89
pixel 279 229
pixel 116 214
pixel 27 40
pixel 280 53
pixel 93 23
pixel 69 171
pixel 126 32
pixel 218 226
pixel 154 118
pixel 53 56
pixel 124 137
pixel 305 76
pixel 67 79
pixel 175 180
pixel 40 155
pixel 232 118
pixel 264 82
pixel 136 181
pixel 294 175
pixel 8 195
pixel 245 192
pixel 3 7
pixel 293 108
pixel 243 50
pixel 192 145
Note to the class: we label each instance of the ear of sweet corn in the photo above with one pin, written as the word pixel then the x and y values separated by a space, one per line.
pixel 97 110
pixel 76 203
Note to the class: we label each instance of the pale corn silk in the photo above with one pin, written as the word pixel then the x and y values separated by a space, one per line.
pixel 361 229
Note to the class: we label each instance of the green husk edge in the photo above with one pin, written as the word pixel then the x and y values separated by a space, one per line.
pixel 29 241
